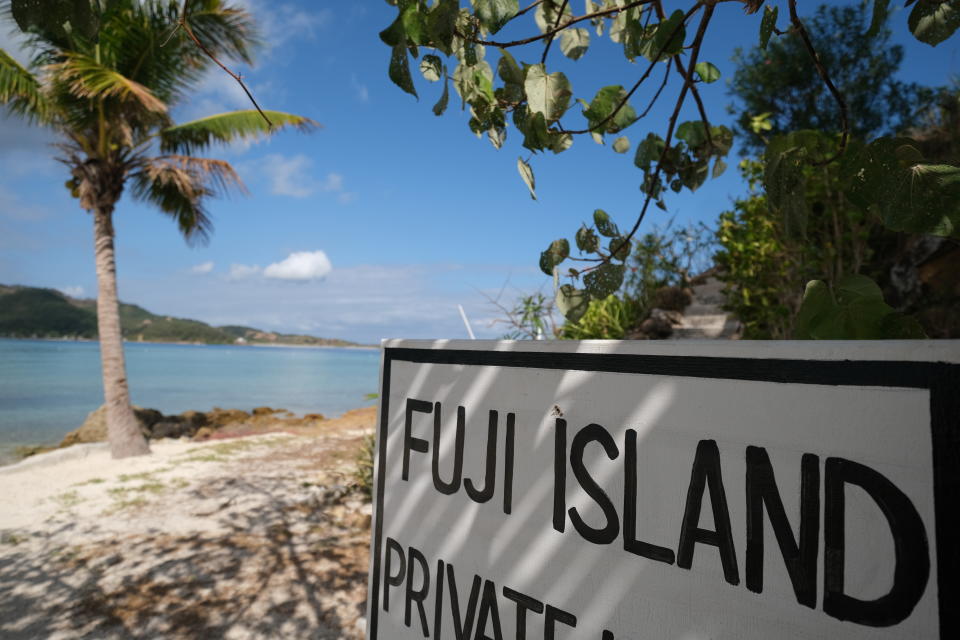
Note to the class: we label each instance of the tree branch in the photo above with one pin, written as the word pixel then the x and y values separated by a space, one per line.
pixel 822 71
pixel 704 21
pixel 529 8
pixel 688 78
pixel 183 24
pixel 645 75
pixel 551 32
pixel 556 23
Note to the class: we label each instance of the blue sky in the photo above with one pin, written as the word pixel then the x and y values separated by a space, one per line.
pixel 384 220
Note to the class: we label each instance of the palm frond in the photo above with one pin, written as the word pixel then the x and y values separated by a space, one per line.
pixel 190 137
pixel 21 90
pixel 225 30
pixel 179 185
pixel 87 78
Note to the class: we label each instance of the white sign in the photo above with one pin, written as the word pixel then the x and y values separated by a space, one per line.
pixel 667 491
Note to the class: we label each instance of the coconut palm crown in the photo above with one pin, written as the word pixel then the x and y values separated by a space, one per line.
pixel 106 85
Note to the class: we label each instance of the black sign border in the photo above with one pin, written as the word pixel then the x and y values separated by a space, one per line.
pixel 941 379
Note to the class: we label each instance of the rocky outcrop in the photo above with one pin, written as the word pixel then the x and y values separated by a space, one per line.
pixel 198 425
pixel 94 428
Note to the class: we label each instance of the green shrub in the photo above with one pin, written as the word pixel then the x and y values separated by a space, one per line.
pixel 363 474
pixel 607 319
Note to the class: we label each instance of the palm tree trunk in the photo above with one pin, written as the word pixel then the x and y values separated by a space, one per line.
pixel 123 431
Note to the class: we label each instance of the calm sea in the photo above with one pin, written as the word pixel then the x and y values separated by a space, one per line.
pixel 47 388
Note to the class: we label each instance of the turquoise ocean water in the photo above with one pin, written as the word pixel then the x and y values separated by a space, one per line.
pixel 47 388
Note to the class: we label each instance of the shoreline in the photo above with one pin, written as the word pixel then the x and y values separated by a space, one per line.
pixel 242 422
pixel 286 345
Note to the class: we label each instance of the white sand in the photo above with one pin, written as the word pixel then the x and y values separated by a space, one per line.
pixel 83 482
pixel 256 537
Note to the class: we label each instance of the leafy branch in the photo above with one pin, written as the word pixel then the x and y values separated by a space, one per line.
pixel 538 101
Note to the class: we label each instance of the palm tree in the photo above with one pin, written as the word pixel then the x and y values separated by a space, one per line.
pixel 105 84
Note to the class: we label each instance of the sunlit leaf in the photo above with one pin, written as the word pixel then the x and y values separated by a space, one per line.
pixel 527 174
pixel 934 22
pixel 719 167
pixel 494 14
pixel 497 137
pixel 431 67
pixel 415 24
pixel 621 144
pixel 548 94
pixel 707 71
pixel 574 43
pixel 197 135
pixel 547 13
pixel 87 78
pixel 670 35
pixel 603 105
pixel 20 90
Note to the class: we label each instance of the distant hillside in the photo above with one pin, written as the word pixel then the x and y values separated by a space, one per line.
pixel 27 312
pixel 44 313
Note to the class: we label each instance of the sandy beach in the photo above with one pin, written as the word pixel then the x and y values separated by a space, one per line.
pixel 263 536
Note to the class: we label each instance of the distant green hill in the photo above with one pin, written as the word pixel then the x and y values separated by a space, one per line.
pixel 46 313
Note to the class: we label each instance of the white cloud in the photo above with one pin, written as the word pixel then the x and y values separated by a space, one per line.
pixel 292 177
pixel 243 271
pixel 73 292
pixel 203 267
pixel 333 182
pixel 281 23
pixel 288 176
pixel 301 266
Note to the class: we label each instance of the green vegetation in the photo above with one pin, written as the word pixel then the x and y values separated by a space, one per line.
pixel 67 499
pixel 775 81
pixel 147 487
pixel 89 482
pixel 363 473
pixel 815 94
pixel 607 319
pixel 136 496
pixel 27 312
pixel 222 452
